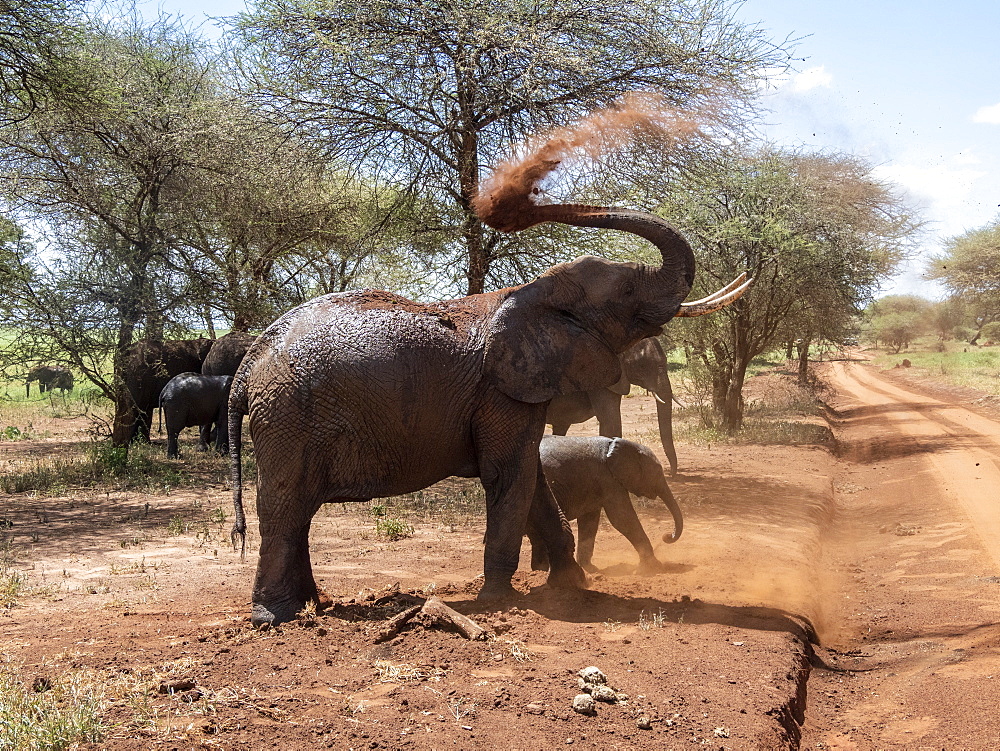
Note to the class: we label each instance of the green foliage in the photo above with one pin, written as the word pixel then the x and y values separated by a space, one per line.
pixel 176 526
pixel 444 93
pixel 11 433
pixel 136 466
pixel 816 232
pixel 54 715
pixel 393 529
pixel 959 364
pixel 896 320
pixel 969 267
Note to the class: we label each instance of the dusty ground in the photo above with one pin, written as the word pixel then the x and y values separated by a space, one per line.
pixel 884 555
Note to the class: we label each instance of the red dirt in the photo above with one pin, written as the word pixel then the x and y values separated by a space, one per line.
pixel 887 553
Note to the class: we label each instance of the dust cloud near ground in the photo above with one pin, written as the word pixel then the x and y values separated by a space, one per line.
pixel 841 594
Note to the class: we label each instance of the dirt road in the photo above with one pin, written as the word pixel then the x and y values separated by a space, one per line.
pixel 916 537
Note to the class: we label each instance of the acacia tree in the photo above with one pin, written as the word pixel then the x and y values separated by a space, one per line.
pixel 102 165
pixel 422 94
pixel 969 268
pixel 816 232
pixel 896 320
pixel 31 32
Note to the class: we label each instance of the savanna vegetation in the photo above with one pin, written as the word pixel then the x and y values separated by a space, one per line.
pixel 155 181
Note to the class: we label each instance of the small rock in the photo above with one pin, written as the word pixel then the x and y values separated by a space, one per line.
pixel 593 675
pixel 534 708
pixel 643 723
pixel 584 704
pixel 604 693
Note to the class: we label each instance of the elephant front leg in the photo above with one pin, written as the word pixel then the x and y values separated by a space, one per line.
pixel 621 513
pixel 284 582
pixel 552 527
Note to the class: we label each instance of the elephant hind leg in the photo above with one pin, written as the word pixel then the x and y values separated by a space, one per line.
pixel 284 581
pixel 586 527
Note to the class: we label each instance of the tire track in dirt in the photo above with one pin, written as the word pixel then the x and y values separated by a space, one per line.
pixel 917 535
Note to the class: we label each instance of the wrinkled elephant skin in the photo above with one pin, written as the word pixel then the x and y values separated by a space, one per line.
pixel 192 399
pixel 644 365
pixel 360 395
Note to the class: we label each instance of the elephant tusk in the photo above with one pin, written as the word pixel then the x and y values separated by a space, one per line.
pixel 719 293
pixel 657 397
pixel 717 300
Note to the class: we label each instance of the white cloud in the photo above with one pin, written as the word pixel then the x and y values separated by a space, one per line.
pixel 947 189
pixel 811 78
pixel 989 115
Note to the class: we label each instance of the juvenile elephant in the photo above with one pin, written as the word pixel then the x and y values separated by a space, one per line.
pixel 227 353
pixel 191 399
pixel 366 394
pixel 49 377
pixel 645 365
pixel 587 474
pixel 149 365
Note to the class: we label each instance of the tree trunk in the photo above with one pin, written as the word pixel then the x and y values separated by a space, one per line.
pixel 804 361
pixel 209 323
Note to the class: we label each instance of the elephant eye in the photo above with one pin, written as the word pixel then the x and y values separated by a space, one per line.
pixel 628 289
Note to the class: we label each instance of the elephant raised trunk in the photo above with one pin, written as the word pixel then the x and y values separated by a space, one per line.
pixel 678 258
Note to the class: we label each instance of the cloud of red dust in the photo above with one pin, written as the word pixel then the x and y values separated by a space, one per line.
pixel 505 200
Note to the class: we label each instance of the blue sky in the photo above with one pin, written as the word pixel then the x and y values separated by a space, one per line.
pixel 913 87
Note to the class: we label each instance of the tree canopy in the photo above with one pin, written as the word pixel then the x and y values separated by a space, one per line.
pixel 423 95
pixel 969 268
pixel 816 232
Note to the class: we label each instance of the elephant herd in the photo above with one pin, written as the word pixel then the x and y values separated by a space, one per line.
pixel 365 394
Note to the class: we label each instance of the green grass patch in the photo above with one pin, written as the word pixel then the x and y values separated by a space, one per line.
pixel 139 467
pixel 953 362
pixel 48 713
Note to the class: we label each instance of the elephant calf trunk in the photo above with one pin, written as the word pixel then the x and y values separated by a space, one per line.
pixel 675 511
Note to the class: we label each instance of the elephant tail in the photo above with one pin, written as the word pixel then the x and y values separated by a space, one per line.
pixel 236 473
pixel 675 511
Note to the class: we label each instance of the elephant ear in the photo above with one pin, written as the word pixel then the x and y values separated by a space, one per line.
pixel 535 351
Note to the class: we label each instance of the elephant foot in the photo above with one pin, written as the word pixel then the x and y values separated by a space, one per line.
pixel 569 576
pixel 263 616
pixel 650 567
pixel 589 567
pixel 496 592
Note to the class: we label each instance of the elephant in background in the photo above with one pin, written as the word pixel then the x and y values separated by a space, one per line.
pixel 587 474
pixel 644 364
pixel 227 353
pixel 191 399
pixel 49 377
pixel 366 394
pixel 149 365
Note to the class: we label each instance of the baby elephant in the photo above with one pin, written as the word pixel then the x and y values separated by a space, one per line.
pixel 587 474
pixel 191 399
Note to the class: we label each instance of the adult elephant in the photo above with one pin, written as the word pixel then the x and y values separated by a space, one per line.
pixel 149 365
pixel 227 354
pixel 49 377
pixel 193 399
pixel 359 395
pixel 643 364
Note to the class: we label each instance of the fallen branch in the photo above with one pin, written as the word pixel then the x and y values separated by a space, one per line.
pixel 432 613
